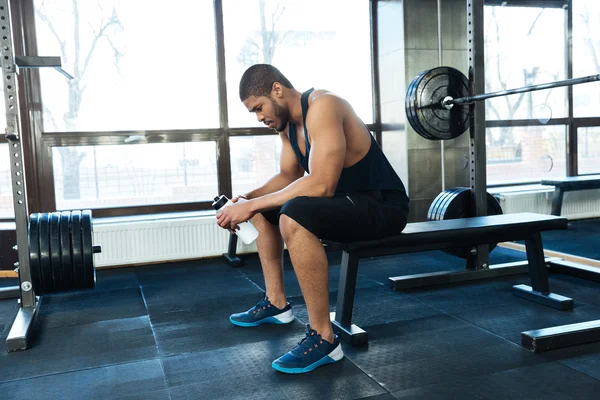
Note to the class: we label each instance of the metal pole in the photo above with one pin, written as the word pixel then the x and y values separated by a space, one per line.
pixel 15 146
pixel 477 153
pixel 572 145
pixel 439 28
pixel 526 89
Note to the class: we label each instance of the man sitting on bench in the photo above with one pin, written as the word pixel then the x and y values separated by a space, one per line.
pixel 350 193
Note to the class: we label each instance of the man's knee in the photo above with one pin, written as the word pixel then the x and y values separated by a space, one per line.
pixel 288 227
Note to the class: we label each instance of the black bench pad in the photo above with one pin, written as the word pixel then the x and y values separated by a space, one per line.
pixel 434 235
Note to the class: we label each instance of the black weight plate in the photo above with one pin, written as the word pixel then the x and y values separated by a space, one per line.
pixel 460 206
pixel 432 88
pixel 55 252
pixel 77 251
pixel 89 272
pixel 411 103
pixel 411 107
pixel 47 279
pixel 65 250
pixel 438 216
pixel 435 205
pixel 34 252
pixel 408 104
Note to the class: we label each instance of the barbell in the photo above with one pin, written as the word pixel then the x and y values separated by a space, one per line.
pixel 438 104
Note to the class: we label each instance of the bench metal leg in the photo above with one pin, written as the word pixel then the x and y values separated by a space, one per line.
pixel 557 200
pixel 539 291
pixel 561 336
pixel 341 319
pixel 575 269
pixel 403 282
pixel 230 256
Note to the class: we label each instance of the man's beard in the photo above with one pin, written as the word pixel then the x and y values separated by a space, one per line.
pixel 282 114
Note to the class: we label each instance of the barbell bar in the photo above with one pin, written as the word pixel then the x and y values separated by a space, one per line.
pixel 437 103
pixel 448 102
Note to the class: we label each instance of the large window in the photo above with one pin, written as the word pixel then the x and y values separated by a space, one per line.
pixel 588 150
pixel 315 43
pixel 525 154
pixel 586 56
pixel 135 174
pixel 254 160
pixel 524 46
pixel 138 64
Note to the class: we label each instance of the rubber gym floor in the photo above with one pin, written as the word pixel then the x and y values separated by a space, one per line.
pixel 162 332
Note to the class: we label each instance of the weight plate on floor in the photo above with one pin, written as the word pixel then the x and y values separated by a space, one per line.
pixel 460 205
pixel 55 252
pixel 47 279
pixel 435 204
pixel 77 253
pixel 443 198
pixel 89 271
pixel 34 252
pixel 65 250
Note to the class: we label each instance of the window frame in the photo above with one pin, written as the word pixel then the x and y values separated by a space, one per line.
pixel 570 122
pixel 39 144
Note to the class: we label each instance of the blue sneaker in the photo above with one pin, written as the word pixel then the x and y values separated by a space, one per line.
pixel 312 352
pixel 263 313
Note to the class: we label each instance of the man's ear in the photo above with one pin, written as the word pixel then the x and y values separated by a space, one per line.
pixel 277 90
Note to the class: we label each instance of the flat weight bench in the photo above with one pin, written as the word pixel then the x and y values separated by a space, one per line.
pixel 568 184
pixel 439 235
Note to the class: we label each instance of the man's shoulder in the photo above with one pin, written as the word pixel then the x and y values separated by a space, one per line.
pixel 325 101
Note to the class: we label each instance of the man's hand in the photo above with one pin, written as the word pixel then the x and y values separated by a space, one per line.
pixel 229 217
pixel 239 196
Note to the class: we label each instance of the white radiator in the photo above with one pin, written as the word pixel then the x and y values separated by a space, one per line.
pixel 576 205
pixel 127 242
pixel 161 240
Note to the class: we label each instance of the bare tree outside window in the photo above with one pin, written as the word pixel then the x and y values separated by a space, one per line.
pixel 524 46
pixel 77 52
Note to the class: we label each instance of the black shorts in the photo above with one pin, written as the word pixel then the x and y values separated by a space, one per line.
pixel 365 216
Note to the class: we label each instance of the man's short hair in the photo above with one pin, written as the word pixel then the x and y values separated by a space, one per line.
pixel 258 81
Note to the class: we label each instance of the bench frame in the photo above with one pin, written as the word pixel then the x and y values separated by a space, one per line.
pixel 536 265
pixel 569 184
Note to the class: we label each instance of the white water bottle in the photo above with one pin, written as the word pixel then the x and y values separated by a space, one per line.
pixel 247 231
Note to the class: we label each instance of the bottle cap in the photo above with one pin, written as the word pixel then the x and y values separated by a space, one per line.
pixel 220 201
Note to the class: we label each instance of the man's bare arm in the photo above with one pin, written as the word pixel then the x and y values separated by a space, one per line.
pixel 289 171
pixel 327 154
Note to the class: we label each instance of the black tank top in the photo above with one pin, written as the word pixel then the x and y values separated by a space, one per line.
pixel 372 172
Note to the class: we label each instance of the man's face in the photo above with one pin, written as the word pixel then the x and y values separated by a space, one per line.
pixel 268 111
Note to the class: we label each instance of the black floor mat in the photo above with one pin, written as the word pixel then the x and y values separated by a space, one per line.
pixel 540 381
pixel 77 347
pixel 162 332
pixel 140 380
pixel 244 372
pixel 580 239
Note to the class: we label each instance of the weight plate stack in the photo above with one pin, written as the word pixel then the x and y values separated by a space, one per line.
pixel 457 203
pixel 61 252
